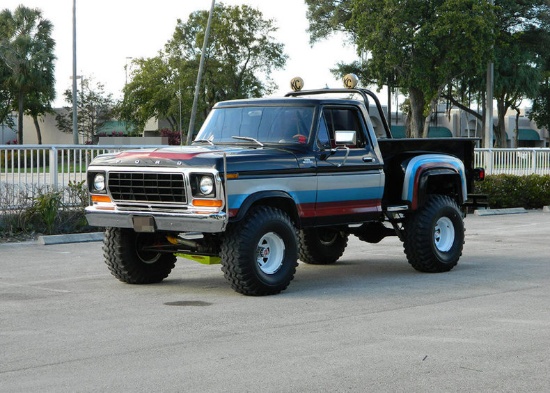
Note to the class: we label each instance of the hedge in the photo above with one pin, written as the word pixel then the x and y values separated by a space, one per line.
pixel 505 191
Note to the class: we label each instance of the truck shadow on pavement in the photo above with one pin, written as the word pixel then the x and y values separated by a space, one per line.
pixel 345 277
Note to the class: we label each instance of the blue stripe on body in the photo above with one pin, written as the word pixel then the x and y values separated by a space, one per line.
pixel 301 197
pixel 351 194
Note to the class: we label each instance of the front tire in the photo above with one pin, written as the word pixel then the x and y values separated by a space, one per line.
pixel 259 253
pixel 434 235
pixel 129 261
pixel 321 246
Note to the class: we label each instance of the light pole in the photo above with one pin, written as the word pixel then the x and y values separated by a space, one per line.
pixel 75 103
pixel 75 122
pixel 199 76
pixel 178 94
pixel 488 134
pixel 126 69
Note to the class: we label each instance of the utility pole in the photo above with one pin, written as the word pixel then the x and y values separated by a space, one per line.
pixel 488 135
pixel 199 76
pixel 75 98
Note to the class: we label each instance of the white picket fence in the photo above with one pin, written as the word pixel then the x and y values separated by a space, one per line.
pixel 28 168
pixel 55 167
pixel 521 161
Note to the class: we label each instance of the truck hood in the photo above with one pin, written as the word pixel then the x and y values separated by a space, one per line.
pixel 238 157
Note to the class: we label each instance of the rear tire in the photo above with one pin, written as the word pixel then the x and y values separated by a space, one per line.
pixel 434 235
pixel 127 260
pixel 321 246
pixel 259 253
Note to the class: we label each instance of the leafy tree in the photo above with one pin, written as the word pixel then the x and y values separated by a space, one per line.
pixel 153 92
pixel 521 55
pixel 38 104
pixel 241 48
pixel 520 62
pixel 6 97
pixel 27 51
pixel 541 106
pixel 94 109
pixel 418 45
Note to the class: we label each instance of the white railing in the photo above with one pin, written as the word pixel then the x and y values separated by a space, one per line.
pixel 31 167
pixel 521 161
pixel 27 168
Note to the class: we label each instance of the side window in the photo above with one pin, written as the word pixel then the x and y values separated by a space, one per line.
pixel 345 119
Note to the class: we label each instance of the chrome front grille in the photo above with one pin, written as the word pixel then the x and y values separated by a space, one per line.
pixel 147 187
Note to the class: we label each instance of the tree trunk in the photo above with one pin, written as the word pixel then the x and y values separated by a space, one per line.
pixel 37 126
pixel 416 125
pixel 516 134
pixel 426 128
pixel 20 119
pixel 500 130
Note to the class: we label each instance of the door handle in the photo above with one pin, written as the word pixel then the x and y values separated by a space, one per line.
pixel 368 159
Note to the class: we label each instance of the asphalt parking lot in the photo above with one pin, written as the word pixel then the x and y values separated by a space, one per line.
pixel 367 323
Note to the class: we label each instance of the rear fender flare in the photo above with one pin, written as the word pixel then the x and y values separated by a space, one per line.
pixel 420 169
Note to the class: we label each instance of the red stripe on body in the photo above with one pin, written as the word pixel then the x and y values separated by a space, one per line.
pixel 158 154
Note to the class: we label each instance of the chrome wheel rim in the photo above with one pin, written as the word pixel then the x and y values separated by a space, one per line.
pixel 270 253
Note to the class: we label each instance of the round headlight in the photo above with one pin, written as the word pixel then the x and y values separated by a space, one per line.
pixel 206 185
pixel 99 182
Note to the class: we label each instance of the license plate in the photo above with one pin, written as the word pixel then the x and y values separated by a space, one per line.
pixel 144 224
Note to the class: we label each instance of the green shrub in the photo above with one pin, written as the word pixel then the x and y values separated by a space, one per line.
pixel 35 210
pixel 505 191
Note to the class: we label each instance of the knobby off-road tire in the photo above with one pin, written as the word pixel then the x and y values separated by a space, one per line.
pixel 129 262
pixel 321 246
pixel 259 253
pixel 434 235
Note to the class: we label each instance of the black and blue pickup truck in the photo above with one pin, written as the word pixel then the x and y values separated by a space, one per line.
pixel 271 181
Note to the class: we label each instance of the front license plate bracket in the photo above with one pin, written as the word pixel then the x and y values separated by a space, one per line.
pixel 144 224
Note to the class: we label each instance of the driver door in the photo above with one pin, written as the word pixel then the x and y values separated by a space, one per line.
pixel 350 175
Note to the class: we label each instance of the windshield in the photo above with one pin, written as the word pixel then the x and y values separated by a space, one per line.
pixel 265 124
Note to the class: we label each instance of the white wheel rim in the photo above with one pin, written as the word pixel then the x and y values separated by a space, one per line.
pixel 270 253
pixel 444 234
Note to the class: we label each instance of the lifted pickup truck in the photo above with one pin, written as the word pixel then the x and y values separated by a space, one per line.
pixel 273 180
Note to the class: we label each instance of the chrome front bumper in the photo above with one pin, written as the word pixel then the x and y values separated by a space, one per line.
pixel 174 222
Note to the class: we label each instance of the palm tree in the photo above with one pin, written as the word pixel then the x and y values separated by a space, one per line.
pixel 27 50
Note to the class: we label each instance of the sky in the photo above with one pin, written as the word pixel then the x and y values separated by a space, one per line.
pixel 109 32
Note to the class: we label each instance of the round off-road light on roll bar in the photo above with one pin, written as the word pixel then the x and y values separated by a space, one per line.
pixel 297 83
pixel 99 182
pixel 350 81
pixel 206 185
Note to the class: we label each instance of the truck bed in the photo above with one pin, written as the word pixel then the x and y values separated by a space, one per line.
pixel 395 151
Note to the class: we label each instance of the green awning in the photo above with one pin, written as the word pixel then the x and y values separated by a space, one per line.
pixel 528 134
pixel 398 132
pixel 433 132
pixel 439 132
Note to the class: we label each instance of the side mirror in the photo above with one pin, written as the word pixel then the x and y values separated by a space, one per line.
pixel 345 137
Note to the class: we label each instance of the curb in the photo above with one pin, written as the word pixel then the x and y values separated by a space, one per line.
pixel 71 238
pixel 494 212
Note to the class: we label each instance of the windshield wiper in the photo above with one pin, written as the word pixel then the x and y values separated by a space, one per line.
pixel 204 141
pixel 247 138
